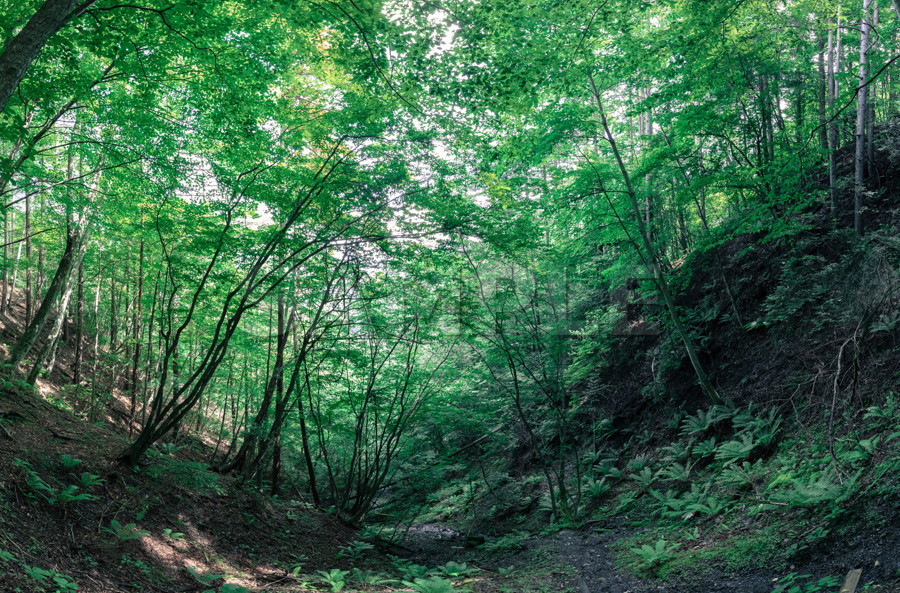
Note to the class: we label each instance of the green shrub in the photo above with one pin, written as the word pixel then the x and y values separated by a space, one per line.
pixel 791 584
pixel 124 533
pixel 355 550
pixel 432 585
pixel 334 578
pixel 652 557
pixel 191 476
pixel 39 488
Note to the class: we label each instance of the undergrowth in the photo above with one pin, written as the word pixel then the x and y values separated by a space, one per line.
pixel 730 492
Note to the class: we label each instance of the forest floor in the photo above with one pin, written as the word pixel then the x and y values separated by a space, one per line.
pixel 69 515
pixel 586 561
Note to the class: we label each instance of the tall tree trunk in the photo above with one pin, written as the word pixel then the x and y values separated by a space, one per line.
pixel 27 44
pixel 29 305
pixel 58 286
pixel 832 126
pixel 823 84
pixel 41 277
pixel 151 360
pixel 307 452
pixel 15 275
pixel 79 328
pixel 113 310
pixel 59 291
pixel 50 348
pixel 136 333
pixel 861 112
pixel 79 245
pixel 870 113
pixel 249 456
pixel 8 221
pixel 654 261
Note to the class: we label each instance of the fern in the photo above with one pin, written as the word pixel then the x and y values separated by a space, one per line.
pixel 334 578
pixel 68 461
pixel 676 452
pixel 744 474
pixel 645 477
pixel 124 533
pixel 596 488
pixel 731 451
pixel 705 448
pixel 432 585
pixel 656 554
pixel 705 419
pixel 677 472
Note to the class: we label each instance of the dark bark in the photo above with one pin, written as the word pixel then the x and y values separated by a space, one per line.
pixel 25 47
pixel 247 458
pixel 70 259
pixel 79 328
pixel 833 65
pixel 307 454
pixel 136 334
pixel 48 351
pixel 870 112
pixel 29 305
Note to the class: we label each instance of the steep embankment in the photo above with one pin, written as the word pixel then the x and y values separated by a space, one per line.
pixel 69 516
pixel 789 485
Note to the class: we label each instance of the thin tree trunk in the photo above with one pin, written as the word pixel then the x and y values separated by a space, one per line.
pixel 307 452
pixel 59 291
pixel 39 280
pixel 113 310
pixel 79 245
pixel 151 362
pixel 653 259
pixel 861 112
pixel 28 296
pixel 57 288
pixel 15 275
pixel 95 363
pixel 8 220
pixel 823 83
pixel 832 126
pixel 136 332
pixel 249 456
pixel 870 114
pixel 79 328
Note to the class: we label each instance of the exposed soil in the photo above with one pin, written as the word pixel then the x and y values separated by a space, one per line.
pixel 591 555
pixel 586 562
pixel 210 525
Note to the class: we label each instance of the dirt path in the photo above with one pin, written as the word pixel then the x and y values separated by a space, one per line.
pixel 593 564
pixel 590 555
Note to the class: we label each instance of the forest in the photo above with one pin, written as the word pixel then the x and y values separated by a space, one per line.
pixel 445 296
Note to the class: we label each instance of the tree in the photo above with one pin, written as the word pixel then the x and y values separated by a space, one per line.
pixel 22 50
pixel 862 111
